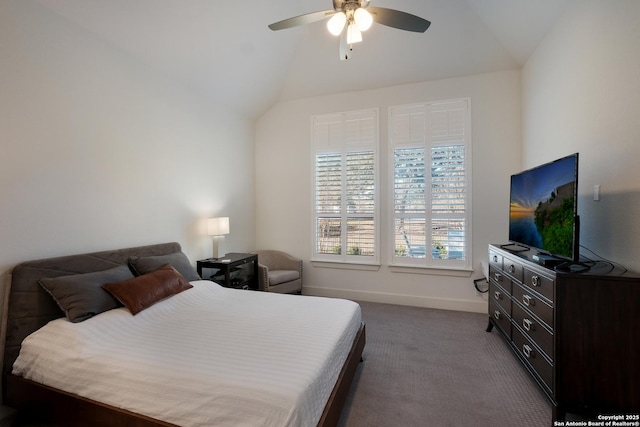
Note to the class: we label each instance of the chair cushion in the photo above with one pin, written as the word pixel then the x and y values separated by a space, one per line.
pixel 280 276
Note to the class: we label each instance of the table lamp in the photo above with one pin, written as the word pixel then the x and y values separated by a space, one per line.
pixel 218 227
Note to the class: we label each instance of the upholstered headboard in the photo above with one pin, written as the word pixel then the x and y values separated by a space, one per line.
pixel 28 307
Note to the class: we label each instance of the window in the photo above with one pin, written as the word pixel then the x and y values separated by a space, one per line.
pixel 345 187
pixel 431 161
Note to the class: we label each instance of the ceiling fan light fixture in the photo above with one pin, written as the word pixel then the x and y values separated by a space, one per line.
pixel 335 24
pixel 353 34
pixel 352 15
pixel 363 19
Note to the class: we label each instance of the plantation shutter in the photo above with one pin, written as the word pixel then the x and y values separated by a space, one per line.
pixel 328 201
pixel 345 203
pixel 431 167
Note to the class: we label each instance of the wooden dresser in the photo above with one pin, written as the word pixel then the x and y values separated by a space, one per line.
pixel 578 334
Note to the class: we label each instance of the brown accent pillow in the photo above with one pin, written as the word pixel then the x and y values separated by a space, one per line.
pixel 144 291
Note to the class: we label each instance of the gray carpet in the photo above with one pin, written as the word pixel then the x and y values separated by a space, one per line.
pixel 426 367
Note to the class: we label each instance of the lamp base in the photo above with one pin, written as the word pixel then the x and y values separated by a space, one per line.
pixel 218 247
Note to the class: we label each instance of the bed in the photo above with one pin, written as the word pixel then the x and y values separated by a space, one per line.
pixel 210 355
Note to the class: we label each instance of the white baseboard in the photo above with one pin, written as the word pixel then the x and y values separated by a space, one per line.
pixel 410 300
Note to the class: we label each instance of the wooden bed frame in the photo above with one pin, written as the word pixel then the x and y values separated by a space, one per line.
pixel 27 307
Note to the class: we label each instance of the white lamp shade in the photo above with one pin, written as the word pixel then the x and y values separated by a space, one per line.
pixel 363 19
pixel 218 226
pixel 335 24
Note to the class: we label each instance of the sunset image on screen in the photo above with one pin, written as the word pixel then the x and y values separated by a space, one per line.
pixel 541 209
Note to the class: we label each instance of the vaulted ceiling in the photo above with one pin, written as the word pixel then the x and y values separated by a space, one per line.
pixel 224 50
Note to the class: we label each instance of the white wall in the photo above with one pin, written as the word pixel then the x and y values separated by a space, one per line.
pixel 581 93
pixel 283 185
pixel 98 152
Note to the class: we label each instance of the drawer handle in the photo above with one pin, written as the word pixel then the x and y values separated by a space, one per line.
pixel 512 268
pixel 495 258
pixel 535 281
pixel 528 351
pixel 496 314
pixel 497 295
pixel 498 277
pixel 528 325
pixel 528 301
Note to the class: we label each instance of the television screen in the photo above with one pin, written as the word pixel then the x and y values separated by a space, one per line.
pixel 543 208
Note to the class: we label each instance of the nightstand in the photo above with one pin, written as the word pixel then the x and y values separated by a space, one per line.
pixel 234 270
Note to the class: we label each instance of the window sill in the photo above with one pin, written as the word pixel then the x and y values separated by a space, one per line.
pixel 436 271
pixel 345 265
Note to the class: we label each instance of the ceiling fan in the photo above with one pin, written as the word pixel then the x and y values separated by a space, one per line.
pixel 350 17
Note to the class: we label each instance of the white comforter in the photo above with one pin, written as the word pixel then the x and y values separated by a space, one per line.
pixel 209 356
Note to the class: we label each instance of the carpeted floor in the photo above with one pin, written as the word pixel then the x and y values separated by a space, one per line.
pixel 426 367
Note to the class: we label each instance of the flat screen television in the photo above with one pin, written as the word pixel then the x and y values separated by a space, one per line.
pixel 543 210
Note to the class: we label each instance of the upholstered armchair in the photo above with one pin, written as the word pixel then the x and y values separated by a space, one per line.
pixel 279 272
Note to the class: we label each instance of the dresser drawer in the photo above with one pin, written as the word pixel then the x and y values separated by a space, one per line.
pixel 534 303
pixel 533 328
pixel 538 282
pixel 533 357
pixel 513 268
pixel 495 260
pixel 500 318
pixel 500 297
pixel 500 278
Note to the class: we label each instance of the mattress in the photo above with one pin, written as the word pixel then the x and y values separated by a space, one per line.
pixel 208 356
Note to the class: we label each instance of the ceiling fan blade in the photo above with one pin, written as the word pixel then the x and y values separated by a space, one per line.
pixel 307 18
pixel 401 20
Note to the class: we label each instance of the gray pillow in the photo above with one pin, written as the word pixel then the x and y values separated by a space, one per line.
pixel 81 296
pixel 178 260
